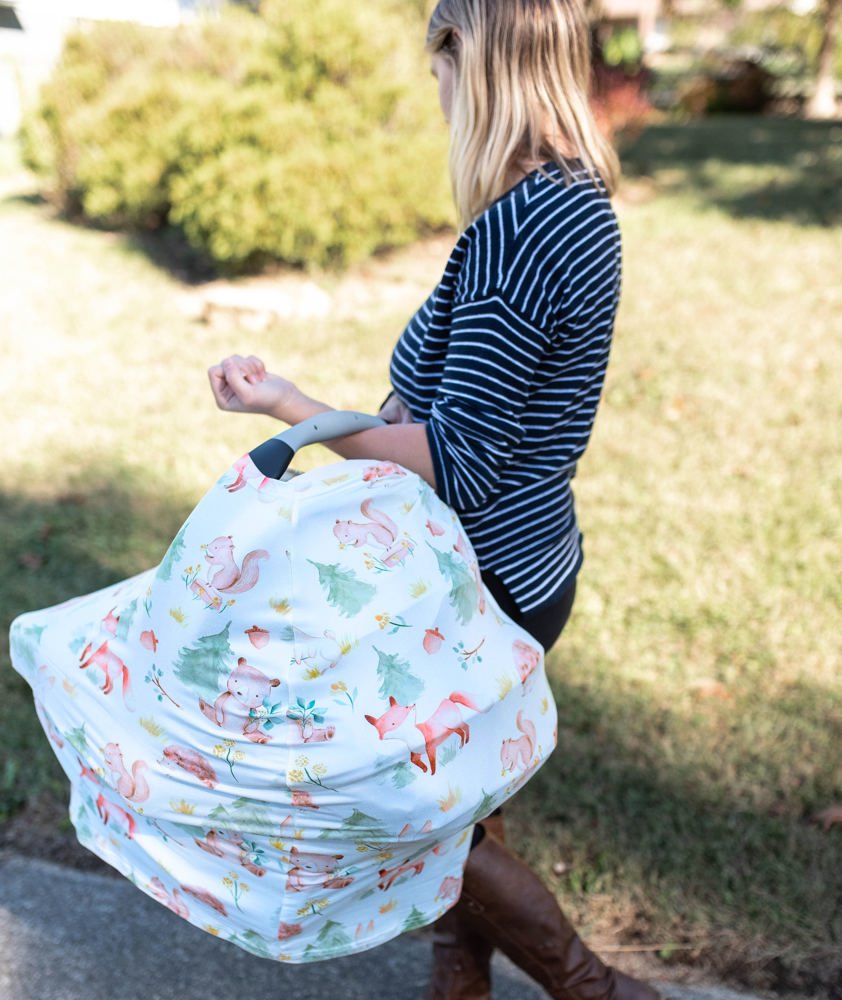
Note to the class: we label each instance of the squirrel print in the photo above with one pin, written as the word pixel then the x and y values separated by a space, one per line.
pixel 380 528
pixel 221 844
pixel 518 752
pixel 173 901
pixel 231 578
pixel 134 786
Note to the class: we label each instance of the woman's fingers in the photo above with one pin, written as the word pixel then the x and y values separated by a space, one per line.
pixel 232 378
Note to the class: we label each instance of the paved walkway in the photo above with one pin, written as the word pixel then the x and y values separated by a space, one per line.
pixel 71 935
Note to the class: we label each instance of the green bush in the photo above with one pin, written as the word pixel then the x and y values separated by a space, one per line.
pixel 304 135
pixel 789 42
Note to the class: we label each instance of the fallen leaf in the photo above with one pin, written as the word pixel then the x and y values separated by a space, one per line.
pixel 827 817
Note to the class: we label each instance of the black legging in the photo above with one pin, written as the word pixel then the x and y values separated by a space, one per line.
pixel 547 623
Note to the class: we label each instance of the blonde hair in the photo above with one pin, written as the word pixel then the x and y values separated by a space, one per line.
pixel 520 98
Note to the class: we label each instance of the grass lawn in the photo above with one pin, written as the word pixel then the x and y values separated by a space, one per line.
pixel 699 681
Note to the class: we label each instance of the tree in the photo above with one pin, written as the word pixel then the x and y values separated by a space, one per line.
pixel 822 104
pixel 201 665
pixel 342 588
pixel 396 680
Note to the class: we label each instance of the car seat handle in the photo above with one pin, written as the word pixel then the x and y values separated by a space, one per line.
pixel 272 457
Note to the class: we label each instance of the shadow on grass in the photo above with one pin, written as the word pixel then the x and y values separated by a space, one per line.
pixel 712 839
pixel 52 550
pixel 752 167
pixel 167 248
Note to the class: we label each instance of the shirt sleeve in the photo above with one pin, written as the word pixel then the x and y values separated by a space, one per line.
pixel 475 422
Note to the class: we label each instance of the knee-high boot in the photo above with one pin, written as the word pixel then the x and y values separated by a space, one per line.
pixel 506 903
pixel 461 955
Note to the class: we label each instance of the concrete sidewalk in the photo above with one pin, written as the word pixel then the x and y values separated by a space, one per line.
pixel 71 935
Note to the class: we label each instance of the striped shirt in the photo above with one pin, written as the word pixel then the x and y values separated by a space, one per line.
pixel 505 363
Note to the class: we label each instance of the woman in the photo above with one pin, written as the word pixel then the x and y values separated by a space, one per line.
pixel 496 382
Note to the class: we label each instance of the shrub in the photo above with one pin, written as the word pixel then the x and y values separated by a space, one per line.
pixel 303 135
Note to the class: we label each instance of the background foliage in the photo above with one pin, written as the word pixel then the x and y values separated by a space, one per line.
pixel 300 135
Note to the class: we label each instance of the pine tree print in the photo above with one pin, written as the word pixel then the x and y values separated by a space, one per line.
pixel 253 942
pixel 415 920
pixel 463 589
pixel 78 739
pixel 361 829
pixel 344 591
pixel 172 555
pixel 244 815
pixel 126 617
pixel 25 644
pixel 332 940
pixel 395 679
pixel 203 665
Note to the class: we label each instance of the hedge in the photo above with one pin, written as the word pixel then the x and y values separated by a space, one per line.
pixel 308 133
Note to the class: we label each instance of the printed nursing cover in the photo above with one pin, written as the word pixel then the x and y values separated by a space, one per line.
pixel 286 730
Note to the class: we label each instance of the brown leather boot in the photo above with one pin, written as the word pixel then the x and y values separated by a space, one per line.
pixel 505 902
pixel 462 957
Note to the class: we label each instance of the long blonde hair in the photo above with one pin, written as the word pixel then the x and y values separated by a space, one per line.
pixel 520 97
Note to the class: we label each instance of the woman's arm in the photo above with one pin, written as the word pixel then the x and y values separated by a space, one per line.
pixel 242 385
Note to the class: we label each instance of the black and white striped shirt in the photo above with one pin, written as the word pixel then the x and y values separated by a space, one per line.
pixel 505 363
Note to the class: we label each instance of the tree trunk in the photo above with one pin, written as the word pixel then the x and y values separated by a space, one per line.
pixel 822 104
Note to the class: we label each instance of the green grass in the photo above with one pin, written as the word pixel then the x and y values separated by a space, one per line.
pixel 699 680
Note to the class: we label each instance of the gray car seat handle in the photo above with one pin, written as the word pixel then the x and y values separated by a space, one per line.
pixel 272 457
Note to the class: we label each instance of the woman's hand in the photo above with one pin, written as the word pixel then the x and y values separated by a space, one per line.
pixel 242 385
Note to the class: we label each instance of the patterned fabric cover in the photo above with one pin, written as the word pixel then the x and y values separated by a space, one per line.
pixel 286 730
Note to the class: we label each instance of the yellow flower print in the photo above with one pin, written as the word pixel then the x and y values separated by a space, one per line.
pixel 212 930
pixel 418 589
pixel 183 807
pixel 178 615
pixel 312 673
pixel 339 686
pixel 295 776
pixel 320 769
pixel 152 727
pixel 382 620
pixel 282 606
pixel 302 760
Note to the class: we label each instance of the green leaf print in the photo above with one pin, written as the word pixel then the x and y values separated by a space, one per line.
pixel 172 555
pixel 332 940
pixel 344 591
pixel 485 808
pixel 463 588
pixel 203 665
pixel 395 679
pixel 404 774
pixel 415 920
